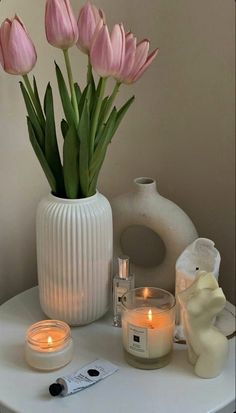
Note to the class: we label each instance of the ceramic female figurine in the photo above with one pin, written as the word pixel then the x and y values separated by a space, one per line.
pixel 207 347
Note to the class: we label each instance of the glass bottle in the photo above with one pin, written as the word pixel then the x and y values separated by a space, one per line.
pixel 122 282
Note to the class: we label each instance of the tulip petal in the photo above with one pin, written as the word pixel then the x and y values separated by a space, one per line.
pixel 21 22
pixel 149 60
pixel 118 47
pixel 130 49
pixel 101 54
pixel 1 55
pixel 5 34
pixel 140 57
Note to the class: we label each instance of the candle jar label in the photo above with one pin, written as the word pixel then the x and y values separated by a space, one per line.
pixel 138 340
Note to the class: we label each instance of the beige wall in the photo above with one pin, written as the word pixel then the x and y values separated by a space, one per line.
pixel 180 130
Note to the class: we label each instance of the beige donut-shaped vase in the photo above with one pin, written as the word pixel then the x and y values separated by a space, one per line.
pixel 144 206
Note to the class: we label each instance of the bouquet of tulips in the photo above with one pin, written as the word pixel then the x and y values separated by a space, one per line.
pixel 90 117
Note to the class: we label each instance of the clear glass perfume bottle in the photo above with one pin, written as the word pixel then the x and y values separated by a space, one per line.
pixel 122 282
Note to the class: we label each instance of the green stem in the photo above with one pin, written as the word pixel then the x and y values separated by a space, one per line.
pixel 96 115
pixel 89 73
pixel 71 83
pixel 111 99
pixel 30 90
pixel 109 106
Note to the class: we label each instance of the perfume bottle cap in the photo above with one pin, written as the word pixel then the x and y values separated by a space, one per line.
pixel 124 265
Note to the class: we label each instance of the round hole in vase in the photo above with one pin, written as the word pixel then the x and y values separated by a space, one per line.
pixel 144 246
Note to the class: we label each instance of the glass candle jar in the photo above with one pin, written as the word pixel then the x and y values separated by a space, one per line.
pixel 148 321
pixel 48 345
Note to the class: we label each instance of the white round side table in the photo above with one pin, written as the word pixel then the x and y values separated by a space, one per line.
pixel 174 388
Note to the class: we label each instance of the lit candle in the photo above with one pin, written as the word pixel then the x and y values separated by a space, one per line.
pixel 48 345
pixel 147 327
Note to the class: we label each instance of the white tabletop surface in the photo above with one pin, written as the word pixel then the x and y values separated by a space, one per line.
pixel 174 388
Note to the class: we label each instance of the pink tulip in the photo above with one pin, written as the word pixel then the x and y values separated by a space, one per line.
pixel 90 18
pixel 17 52
pixel 118 47
pixel 60 24
pixel 108 51
pixel 136 60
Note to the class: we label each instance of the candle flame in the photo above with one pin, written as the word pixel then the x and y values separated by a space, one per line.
pixel 49 340
pixel 146 293
pixel 150 315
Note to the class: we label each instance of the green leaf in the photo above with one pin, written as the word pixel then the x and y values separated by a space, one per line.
pixel 92 96
pixel 103 109
pixel 85 95
pixel 94 178
pixel 77 92
pixel 71 163
pixel 84 129
pixel 51 148
pixel 99 86
pixel 40 155
pixel 65 98
pixel 96 94
pixel 104 140
pixel 101 120
pixel 64 128
pixel 121 113
pixel 39 133
pixel 39 106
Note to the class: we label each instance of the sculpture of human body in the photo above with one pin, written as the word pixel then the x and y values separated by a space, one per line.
pixel 207 346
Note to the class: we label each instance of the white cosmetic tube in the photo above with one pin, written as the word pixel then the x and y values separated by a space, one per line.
pixel 83 378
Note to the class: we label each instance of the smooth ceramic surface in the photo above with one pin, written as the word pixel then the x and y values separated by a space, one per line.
pixel 174 388
pixel 74 255
pixel 144 206
pixel 207 346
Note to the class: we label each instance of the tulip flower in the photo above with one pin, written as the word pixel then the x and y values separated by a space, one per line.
pixel 108 51
pixel 17 52
pixel 60 24
pixel 90 19
pixel 136 60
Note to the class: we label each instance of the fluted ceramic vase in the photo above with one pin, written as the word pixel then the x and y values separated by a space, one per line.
pixel 74 257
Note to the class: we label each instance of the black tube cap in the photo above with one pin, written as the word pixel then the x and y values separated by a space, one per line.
pixel 55 389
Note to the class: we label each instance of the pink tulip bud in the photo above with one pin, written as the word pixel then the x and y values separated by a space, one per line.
pixel 89 18
pixel 108 51
pixel 17 52
pixel 136 60
pixel 60 24
pixel 101 53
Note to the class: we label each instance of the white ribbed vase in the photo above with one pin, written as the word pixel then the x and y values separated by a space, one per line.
pixel 74 256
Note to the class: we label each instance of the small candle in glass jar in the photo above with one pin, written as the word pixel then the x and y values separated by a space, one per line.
pixel 48 345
